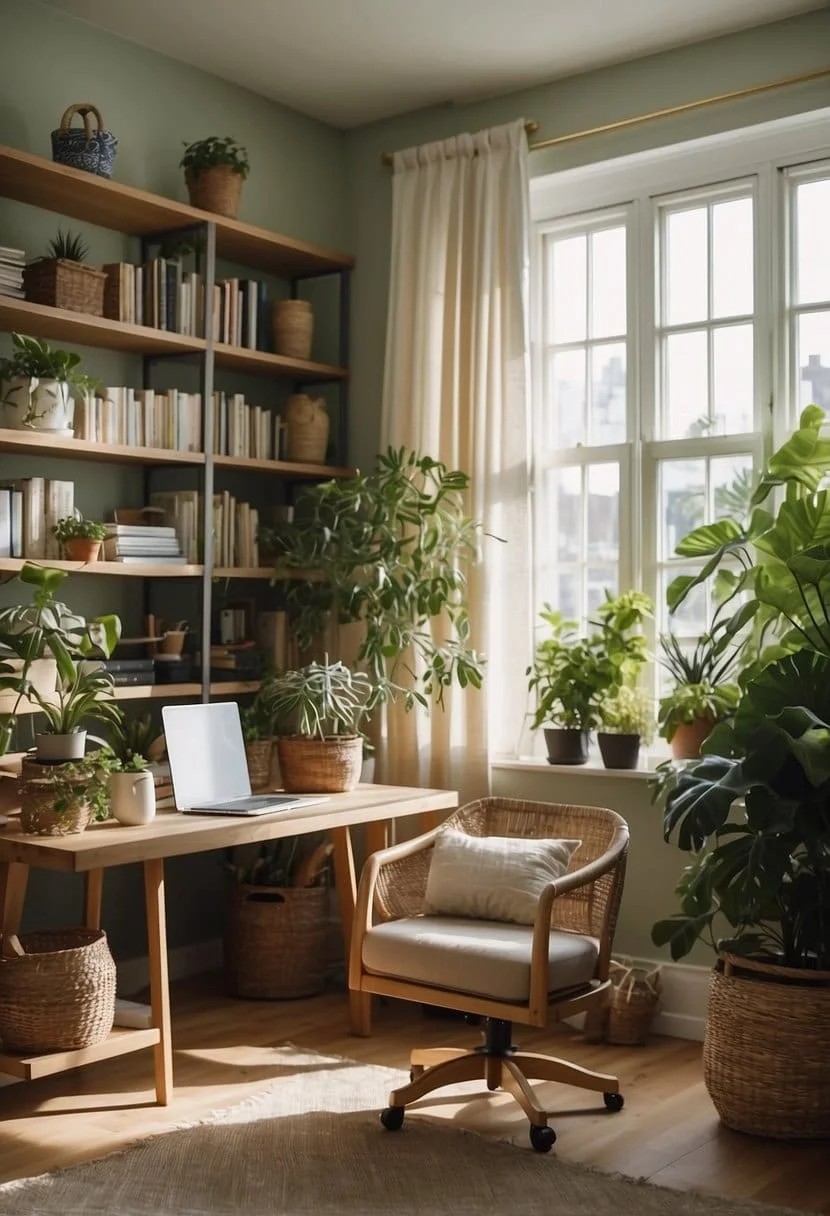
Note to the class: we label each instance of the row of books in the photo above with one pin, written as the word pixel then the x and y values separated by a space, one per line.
pixel 161 294
pixel 29 507
pixel 235 526
pixel 172 420
pixel 11 272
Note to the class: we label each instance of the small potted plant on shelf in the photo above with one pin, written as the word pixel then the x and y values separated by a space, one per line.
pixel 321 708
pixel 626 722
pixel 38 384
pixel 701 695
pixel 62 280
pixel 80 538
pixel 214 170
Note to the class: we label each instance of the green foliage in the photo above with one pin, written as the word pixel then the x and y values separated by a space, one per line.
pixel 130 741
pixel 688 702
pixel 78 781
pixel 572 675
pixel 627 711
pixel 277 863
pixel 73 528
pixel 68 245
pixel 257 718
pixel 319 700
pixel 205 153
pixel 754 813
pixel 389 549
pixel 36 360
pixel 87 693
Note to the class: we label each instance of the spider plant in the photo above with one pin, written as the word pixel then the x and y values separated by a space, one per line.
pixel 69 246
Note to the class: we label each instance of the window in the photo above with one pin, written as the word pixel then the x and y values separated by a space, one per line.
pixel 671 331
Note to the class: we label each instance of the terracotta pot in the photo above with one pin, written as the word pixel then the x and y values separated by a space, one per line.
pixel 216 189
pixel 687 738
pixel 79 549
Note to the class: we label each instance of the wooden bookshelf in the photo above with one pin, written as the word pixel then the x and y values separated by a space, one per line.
pixel 117 569
pixel 61 325
pixel 171 692
pixel 38 443
pixel 111 204
pixel 262 362
pixel 287 468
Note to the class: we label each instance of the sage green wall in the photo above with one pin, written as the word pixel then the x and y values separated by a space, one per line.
pixel 591 99
pixel 297 186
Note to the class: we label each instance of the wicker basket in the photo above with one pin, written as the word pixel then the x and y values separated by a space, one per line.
pixel 292 325
pixel 64 284
pixel 320 766
pixel 57 990
pixel 258 755
pixel 276 940
pixel 307 426
pixel 767 1047
pixel 92 149
pixel 635 994
pixel 217 188
pixel 38 816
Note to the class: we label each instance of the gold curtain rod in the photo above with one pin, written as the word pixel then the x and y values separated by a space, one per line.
pixel 684 108
pixel 388 158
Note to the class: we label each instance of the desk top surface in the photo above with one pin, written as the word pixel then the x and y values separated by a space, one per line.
pixel 172 834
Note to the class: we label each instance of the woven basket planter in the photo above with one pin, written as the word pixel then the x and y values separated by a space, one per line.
pixel 258 755
pixel 64 284
pixel 215 189
pixel 320 766
pixel 635 994
pixel 57 990
pixel 307 429
pixel 292 326
pixel 766 1049
pixel 38 816
pixel 275 941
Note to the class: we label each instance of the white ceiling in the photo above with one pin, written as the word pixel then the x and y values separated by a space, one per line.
pixel 349 62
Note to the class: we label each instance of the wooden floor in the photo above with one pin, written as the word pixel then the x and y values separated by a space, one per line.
pixel 667 1133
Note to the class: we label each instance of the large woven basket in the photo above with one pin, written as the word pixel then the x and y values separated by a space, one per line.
pixel 292 326
pixel 258 755
pixel 64 284
pixel 57 990
pixel 767 1048
pixel 275 941
pixel 217 189
pixel 635 994
pixel 320 766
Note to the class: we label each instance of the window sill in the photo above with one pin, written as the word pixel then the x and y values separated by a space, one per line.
pixel 594 767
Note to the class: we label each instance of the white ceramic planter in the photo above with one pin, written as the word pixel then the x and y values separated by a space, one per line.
pixel 61 747
pixel 37 405
pixel 132 798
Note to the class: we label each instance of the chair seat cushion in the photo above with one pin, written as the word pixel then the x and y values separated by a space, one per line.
pixel 481 957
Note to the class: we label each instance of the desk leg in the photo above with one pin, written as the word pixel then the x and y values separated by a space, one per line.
pixel 93 898
pixel 345 883
pixel 377 836
pixel 159 984
pixel 13 878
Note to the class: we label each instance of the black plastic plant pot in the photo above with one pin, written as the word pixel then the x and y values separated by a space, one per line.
pixel 618 751
pixel 566 746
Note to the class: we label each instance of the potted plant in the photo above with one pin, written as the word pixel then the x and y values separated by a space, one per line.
pixel 131 784
pixel 61 799
pixel 62 280
pixel 83 695
pixel 81 538
pixel 754 816
pixel 37 385
pixel 214 170
pixel 321 708
pixel 258 733
pixel 571 675
pixel 625 724
pixel 701 695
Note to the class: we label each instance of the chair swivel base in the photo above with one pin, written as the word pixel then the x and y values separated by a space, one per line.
pixel 501 1066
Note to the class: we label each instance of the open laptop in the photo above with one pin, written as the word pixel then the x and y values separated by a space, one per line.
pixel 208 768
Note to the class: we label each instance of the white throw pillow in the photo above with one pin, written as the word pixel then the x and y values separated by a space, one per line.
pixel 493 877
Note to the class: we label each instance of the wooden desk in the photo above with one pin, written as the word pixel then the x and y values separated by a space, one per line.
pixel 172 835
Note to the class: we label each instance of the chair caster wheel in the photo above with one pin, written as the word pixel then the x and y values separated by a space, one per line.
pixel 392 1118
pixel 542 1137
pixel 613 1102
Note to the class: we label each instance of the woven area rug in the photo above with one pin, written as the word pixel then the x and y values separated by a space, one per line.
pixel 312 1143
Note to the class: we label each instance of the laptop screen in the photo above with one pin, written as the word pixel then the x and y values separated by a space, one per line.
pixel 206 753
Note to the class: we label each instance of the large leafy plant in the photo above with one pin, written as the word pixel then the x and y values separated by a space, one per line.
pixel 319 700
pixel 33 359
pixel 389 549
pixel 572 675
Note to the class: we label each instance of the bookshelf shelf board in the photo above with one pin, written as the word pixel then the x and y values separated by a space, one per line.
pixel 118 569
pixel 289 467
pixel 258 362
pixel 85 196
pixel 170 692
pixel 243 572
pixel 61 325
pixel 40 444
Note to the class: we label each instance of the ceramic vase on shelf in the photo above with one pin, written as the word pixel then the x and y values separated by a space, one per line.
pixel 307 428
pixel 292 323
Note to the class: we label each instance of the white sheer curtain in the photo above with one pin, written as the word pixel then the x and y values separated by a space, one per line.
pixel 456 388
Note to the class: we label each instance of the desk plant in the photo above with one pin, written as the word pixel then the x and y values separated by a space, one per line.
pixel 753 814
pixel 62 799
pixel 131 786
pixel 37 384
pixel 258 732
pixel 214 170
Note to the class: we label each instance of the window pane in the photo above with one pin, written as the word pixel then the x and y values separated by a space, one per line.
pixel 691 618
pixel 567 596
pixel 567 525
pixel 608 283
pixel 683 500
pixel 687 397
pixel 601 579
pixel 812 203
pixel 604 512
pixel 814 359
pixel 569 281
pixel 732 261
pixel 686 266
pixel 731 484
pixel 569 397
pixel 608 412
pixel 733 380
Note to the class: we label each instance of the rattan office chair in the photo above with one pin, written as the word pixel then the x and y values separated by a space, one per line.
pixel 531 974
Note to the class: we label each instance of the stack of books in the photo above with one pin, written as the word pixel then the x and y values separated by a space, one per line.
pixel 29 507
pixel 11 272
pixel 135 543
